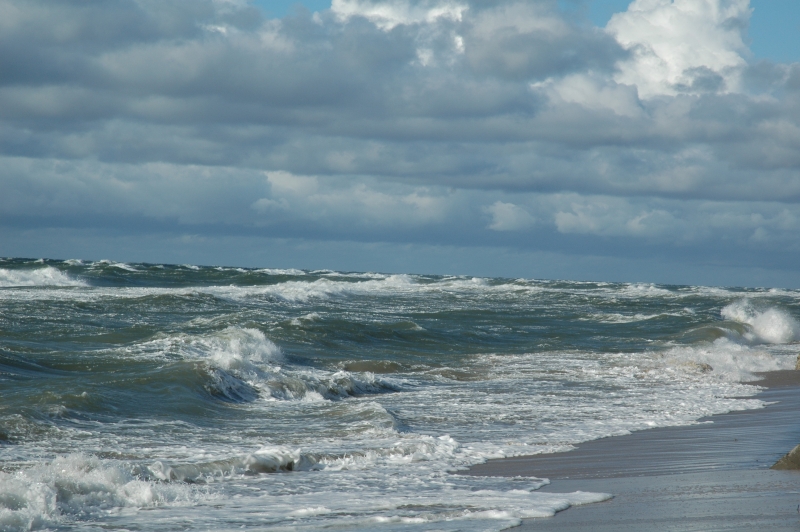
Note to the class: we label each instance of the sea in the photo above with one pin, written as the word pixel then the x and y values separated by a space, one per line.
pixel 184 397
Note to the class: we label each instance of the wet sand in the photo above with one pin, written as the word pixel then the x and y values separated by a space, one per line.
pixel 711 476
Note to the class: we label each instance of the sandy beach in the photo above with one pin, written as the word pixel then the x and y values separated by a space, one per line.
pixel 714 475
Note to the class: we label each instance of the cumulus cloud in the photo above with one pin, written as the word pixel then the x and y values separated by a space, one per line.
pixel 359 201
pixel 439 121
pixel 388 15
pixel 527 41
pixel 508 217
pixel 616 217
pixel 677 46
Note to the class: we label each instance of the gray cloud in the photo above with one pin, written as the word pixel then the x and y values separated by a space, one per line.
pixel 453 123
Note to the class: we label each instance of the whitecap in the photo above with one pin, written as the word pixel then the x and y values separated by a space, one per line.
pixel 725 359
pixel 76 486
pixel 114 264
pixel 47 276
pixel 242 364
pixel 281 271
pixel 771 325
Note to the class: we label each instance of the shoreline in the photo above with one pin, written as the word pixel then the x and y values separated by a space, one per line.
pixel 712 475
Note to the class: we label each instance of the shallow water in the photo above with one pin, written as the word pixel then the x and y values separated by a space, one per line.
pixel 164 397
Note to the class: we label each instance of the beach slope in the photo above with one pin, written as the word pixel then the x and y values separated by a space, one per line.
pixel 714 475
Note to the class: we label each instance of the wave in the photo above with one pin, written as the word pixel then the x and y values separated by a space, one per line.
pixel 113 264
pixel 77 486
pixel 726 360
pixel 302 286
pixel 298 291
pixel 281 271
pixel 305 319
pixel 268 459
pixel 241 365
pixel 345 284
pixel 47 276
pixel 437 497
pixel 616 317
pixel 222 385
pixel 770 325
pixel 325 288
pixel 317 384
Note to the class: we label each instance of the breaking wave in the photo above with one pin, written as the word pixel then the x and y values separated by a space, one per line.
pixel 241 364
pixel 264 460
pixel 771 325
pixel 47 276
pixel 77 486
pixel 726 360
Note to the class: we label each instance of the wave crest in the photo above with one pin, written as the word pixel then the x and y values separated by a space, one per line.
pixel 772 325
pixel 240 365
pixel 725 359
pixel 47 276
pixel 265 460
pixel 78 486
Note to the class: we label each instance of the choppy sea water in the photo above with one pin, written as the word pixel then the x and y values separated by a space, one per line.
pixel 161 397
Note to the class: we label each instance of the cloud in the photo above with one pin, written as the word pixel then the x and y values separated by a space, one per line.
pixel 508 217
pixel 285 183
pixel 615 217
pixel 438 121
pixel 388 15
pixel 527 41
pixel 359 201
pixel 692 46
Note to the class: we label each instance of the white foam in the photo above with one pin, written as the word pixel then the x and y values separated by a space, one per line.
pixel 615 317
pixel 267 459
pixel 243 364
pixel 336 284
pixel 238 348
pixel 47 276
pixel 405 483
pixel 771 325
pixel 325 288
pixel 726 359
pixel 353 275
pixel 307 318
pixel 76 486
pixel 644 290
pixel 361 456
pixel 118 265
pixel 438 502
pixel 281 271
pixel 290 291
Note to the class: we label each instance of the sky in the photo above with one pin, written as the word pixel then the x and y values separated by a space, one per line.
pixel 656 141
pixel 774 26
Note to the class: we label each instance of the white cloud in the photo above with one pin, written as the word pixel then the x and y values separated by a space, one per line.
pixel 606 216
pixel 508 217
pixel 388 15
pixel 284 183
pixel 265 205
pixel 359 202
pixel 439 121
pixel 593 92
pixel 682 45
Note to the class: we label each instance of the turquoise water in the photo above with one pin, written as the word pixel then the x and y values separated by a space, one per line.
pixel 163 397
